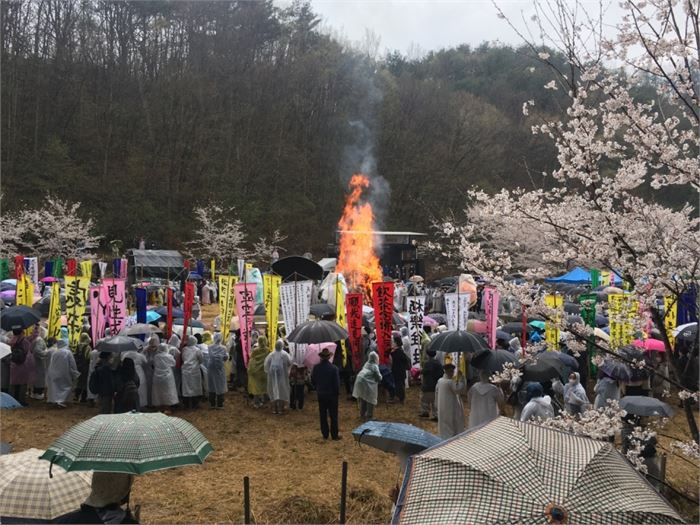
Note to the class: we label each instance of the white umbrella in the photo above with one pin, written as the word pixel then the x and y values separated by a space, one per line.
pixel 4 350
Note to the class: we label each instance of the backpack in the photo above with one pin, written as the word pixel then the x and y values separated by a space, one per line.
pixel 19 354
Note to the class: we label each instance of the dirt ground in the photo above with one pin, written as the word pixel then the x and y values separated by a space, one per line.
pixel 294 474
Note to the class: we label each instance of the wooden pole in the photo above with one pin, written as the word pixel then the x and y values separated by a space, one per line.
pixel 343 491
pixel 246 500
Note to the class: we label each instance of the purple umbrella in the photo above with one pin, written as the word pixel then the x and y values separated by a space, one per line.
pixel 49 280
pixel 7 295
pixel 429 321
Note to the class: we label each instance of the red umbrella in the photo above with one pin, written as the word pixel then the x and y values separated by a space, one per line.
pixel 650 345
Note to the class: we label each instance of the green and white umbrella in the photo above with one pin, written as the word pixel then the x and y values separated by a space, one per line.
pixel 511 472
pixel 132 443
pixel 27 491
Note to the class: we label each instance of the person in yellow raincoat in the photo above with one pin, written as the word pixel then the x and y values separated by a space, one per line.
pixel 257 378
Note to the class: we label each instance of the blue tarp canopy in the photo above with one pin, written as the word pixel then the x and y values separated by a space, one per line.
pixel 576 276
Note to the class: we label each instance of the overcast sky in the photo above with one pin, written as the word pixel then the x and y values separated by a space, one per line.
pixel 429 24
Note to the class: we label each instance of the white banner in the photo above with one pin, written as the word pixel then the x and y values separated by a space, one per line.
pixel 295 298
pixel 103 269
pixel 457 310
pixel 241 269
pixel 33 270
pixel 416 309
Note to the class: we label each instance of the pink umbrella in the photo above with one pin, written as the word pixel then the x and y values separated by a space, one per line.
pixel 311 358
pixel 477 326
pixel 650 345
pixel 49 280
pixel 429 321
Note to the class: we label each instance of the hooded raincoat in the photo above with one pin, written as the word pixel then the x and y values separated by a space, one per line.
pixel 277 365
pixel 367 381
pixel 483 398
pixel 575 397
pixel 257 378
pixel 62 372
pixel 164 392
pixel 216 373
pixel 605 389
pixel 191 369
pixel 449 406
pixel 538 406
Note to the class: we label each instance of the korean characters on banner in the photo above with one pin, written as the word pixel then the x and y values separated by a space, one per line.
pixel 77 289
pixel 670 313
pixel 491 302
pixel 383 304
pixel 353 309
pixel 245 304
pixel 227 300
pixel 416 310
pixel 551 328
pixel 295 298
pixel 116 304
pixel 271 288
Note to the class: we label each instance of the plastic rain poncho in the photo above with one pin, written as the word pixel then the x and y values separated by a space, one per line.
pixel 164 392
pixel 277 365
pixel 367 381
pixel 605 389
pixel 141 365
pixel 483 398
pixel 61 373
pixel 257 378
pixel 216 373
pixel 575 398
pixel 191 369
pixel 538 408
pixel 449 406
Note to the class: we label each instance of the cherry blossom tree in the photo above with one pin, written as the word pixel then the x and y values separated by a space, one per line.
pixel 264 248
pixel 219 234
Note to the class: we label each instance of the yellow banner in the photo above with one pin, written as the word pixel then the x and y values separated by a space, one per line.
pixel 621 310
pixel 671 309
pixel 551 328
pixel 605 278
pixel 340 315
pixel 271 287
pixel 55 311
pixel 86 269
pixel 24 292
pixel 213 270
pixel 76 300
pixel 226 304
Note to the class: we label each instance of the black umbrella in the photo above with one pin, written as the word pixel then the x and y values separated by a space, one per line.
pixel 645 406
pixel 492 360
pixel 571 320
pixel 458 341
pixel 567 359
pixel 117 344
pixel 601 321
pixel 322 310
pixel 572 308
pixel 192 323
pixel 545 368
pixel 616 370
pixel 304 268
pixel 163 312
pixel 317 332
pixel 259 310
pixel 515 328
pixel 19 317
pixel 688 334
pixel 503 336
pixel 631 353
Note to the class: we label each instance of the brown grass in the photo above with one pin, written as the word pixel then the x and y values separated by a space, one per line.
pixel 294 474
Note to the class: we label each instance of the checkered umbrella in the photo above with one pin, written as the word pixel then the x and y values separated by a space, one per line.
pixel 512 472
pixel 132 443
pixel 27 491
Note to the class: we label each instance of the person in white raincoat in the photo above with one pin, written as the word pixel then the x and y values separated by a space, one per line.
pixel 148 352
pixel 449 404
pixel 174 349
pixel 141 364
pixel 538 405
pixel 366 388
pixel 575 398
pixel 277 366
pixel 606 389
pixel 61 374
pixel 191 373
pixel 484 399
pixel 164 393
pixel 216 373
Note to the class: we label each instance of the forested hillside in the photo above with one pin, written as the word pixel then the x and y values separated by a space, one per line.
pixel 142 110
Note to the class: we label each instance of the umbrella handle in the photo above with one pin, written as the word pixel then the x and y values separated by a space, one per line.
pixel 359 440
pixel 53 460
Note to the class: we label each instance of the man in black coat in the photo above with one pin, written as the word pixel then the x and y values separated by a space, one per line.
pixel 326 380
pixel 430 374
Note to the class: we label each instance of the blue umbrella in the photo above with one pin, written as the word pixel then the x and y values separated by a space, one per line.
pixel 194 276
pixel 7 401
pixel 151 316
pixel 163 312
pixel 396 438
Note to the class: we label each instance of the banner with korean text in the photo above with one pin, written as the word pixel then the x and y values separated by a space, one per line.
pixel 383 304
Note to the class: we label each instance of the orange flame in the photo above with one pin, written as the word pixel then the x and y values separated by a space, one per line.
pixel 357 260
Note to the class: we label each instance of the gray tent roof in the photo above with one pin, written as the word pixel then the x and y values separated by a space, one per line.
pixel 158 258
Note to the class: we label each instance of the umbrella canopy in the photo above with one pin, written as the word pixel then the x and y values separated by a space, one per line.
pixel 571 320
pixel 567 359
pixel 597 332
pixel 515 328
pixel 492 360
pixel 295 265
pixel 572 308
pixel 477 326
pixel 27 491
pixel 396 438
pixel 194 276
pixel 49 280
pixel 539 325
pixel 545 368
pixel 141 329
pixel 4 350
pixel 576 276
pixel 152 315
pixel 7 401
pixel 650 345
pixel 19 317
pixel 503 336
pixel 117 344
pixel 163 312
pixel 192 323
pixel 311 358
pixel 440 318
pixel 601 321
pixel 132 443
pixel 429 321
pixel 687 332
pixel 512 472
pixel 416 279
pixel 458 341
pixel 645 406
pixel 317 332
pixel 322 310
pixel 10 282
pixel 616 370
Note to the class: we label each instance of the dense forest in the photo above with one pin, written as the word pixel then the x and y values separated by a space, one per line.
pixel 143 110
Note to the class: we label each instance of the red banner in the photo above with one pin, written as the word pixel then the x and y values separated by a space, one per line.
pixel 19 267
pixel 71 267
pixel 353 308
pixel 169 324
pixel 383 303
pixel 187 311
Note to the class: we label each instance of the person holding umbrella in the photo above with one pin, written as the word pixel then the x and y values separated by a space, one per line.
pixel 449 404
pixel 109 492
pixel 326 380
